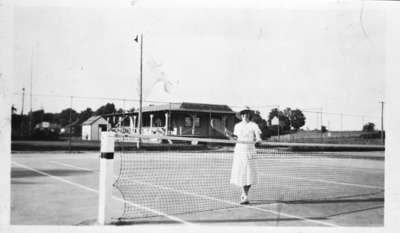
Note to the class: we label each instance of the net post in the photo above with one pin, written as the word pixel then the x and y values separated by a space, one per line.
pixel 106 177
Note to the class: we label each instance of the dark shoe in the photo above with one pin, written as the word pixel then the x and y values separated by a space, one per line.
pixel 244 200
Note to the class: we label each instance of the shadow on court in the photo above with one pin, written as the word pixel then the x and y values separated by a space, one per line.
pixel 374 197
pixel 220 220
pixel 22 182
pixel 23 173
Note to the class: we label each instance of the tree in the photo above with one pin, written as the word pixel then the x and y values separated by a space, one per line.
pixel 287 112
pixel 106 109
pixel 50 117
pixel 369 127
pixel 37 117
pixel 64 116
pixel 13 109
pixel 85 114
pixel 273 113
pixel 262 123
pixel 284 122
pixel 120 110
pixel 297 119
pixel 285 118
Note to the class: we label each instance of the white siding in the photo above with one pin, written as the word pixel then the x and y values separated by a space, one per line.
pixel 86 132
pixel 95 132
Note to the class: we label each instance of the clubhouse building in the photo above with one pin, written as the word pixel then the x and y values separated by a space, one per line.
pixel 176 119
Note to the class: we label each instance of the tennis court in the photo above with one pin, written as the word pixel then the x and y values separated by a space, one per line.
pixel 192 187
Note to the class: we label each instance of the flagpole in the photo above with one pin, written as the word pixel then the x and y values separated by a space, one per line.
pixel 141 90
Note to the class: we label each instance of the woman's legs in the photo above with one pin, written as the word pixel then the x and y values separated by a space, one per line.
pixel 246 189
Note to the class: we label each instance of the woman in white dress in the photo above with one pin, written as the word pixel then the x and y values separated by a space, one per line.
pixel 243 172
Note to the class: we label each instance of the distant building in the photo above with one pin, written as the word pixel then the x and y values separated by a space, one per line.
pixel 46 131
pixel 92 127
pixel 44 125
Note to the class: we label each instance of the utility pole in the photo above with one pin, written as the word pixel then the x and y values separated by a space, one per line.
pixel 23 99
pixel 382 131
pixel 341 121
pixel 322 133
pixel 70 126
pixel 321 109
pixel 22 113
pixel 30 112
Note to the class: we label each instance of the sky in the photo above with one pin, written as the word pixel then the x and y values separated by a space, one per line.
pixel 328 56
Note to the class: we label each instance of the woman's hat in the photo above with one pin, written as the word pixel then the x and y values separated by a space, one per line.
pixel 245 111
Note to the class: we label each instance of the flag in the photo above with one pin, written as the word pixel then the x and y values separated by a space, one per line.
pixel 137 39
pixel 157 77
pixel 165 82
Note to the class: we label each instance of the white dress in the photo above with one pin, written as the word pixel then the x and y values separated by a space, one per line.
pixel 243 165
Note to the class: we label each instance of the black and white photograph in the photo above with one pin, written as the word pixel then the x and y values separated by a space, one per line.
pixel 192 114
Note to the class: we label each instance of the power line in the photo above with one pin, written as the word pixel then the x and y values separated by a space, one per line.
pixel 31 94
pixel 382 131
pixel 129 100
pixel 92 97
pixel 340 114
pixel 124 100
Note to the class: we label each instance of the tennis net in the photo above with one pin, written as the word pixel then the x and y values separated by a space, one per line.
pixel 188 175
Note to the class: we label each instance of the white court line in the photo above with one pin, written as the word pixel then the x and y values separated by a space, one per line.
pixel 331 182
pixel 95 191
pixel 290 177
pixel 73 166
pixel 323 181
pixel 233 203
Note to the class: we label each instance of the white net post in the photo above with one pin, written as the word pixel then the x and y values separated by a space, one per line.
pixel 106 177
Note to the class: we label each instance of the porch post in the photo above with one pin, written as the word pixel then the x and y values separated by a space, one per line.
pixel 151 121
pixel 131 125
pixel 134 123
pixel 108 124
pixel 193 124
pixel 166 123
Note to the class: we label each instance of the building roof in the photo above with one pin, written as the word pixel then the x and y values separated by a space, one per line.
pixel 179 107
pixel 189 107
pixel 92 120
pixel 76 122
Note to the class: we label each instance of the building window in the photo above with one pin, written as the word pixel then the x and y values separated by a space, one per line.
pixel 189 121
pixel 197 121
pixel 158 122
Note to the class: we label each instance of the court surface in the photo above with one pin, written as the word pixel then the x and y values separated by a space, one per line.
pixel 54 188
